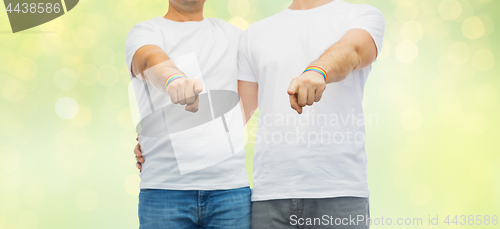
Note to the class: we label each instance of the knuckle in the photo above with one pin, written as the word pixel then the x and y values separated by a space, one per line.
pixel 175 83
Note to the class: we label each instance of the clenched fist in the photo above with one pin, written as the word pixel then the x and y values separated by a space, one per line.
pixel 306 89
pixel 185 91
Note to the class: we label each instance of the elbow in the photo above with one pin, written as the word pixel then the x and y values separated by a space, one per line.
pixel 363 56
pixel 356 58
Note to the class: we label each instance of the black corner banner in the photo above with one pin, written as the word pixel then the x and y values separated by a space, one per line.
pixel 25 15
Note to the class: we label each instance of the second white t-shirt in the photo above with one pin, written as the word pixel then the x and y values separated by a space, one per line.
pixel 320 153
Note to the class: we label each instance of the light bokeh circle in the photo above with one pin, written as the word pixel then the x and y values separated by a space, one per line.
pixel 14 90
pixel 449 104
pixel 475 123
pixel 84 37
pixel 83 117
pixel 239 22
pixel 386 50
pixel 450 9
pixel 487 96
pixel 238 8
pixel 107 75
pixel 50 43
pixel 66 79
pixel 131 184
pixel 437 29
pixel 483 60
pixel 412 31
pixel 66 108
pixel 406 51
pixel 459 53
pixel 406 10
pixel 411 119
pixel 12 158
pixel 473 28
pixel 26 68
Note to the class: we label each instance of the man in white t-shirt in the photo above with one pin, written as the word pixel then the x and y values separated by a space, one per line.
pixel 305 69
pixel 184 74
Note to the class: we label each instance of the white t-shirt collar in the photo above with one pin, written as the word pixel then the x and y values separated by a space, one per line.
pixel 315 9
pixel 185 23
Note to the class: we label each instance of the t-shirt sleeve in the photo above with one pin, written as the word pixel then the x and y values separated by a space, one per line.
pixel 245 71
pixel 369 18
pixel 140 35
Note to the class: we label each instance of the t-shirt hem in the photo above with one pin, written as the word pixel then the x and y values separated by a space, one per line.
pixel 193 187
pixel 302 195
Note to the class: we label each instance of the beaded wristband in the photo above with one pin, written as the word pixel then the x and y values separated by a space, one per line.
pixel 318 70
pixel 172 78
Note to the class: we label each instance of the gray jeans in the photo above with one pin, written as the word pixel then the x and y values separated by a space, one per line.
pixel 339 212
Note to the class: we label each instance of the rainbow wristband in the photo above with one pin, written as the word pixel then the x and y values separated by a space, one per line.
pixel 172 78
pixel 318 70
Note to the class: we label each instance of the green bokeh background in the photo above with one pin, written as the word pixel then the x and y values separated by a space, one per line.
pixel 67 135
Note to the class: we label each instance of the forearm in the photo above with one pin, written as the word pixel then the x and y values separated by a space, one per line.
pixel 355 50
pixel 153 64
pixel 338 61
pixel 249 97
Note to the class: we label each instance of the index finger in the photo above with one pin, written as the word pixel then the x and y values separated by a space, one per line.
pixel 295 103
pixel 292 89
pixel 197 87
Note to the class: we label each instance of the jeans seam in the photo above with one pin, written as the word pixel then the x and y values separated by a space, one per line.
pixel 198 208
pixel 367 213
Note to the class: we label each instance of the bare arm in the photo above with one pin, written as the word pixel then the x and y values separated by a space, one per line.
pixel 355 50
pixel 249 96
pixel 148 56
pixel 151 63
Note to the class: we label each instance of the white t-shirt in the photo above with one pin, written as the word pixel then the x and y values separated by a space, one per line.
pixel 210 155
pixel 320 153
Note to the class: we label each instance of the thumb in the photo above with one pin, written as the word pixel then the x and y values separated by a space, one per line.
pixel 293 88
pixel 198 87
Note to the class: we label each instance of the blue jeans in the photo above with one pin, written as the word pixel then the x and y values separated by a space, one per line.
pixel 186 209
